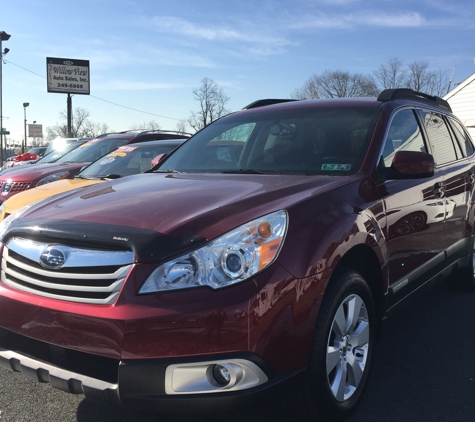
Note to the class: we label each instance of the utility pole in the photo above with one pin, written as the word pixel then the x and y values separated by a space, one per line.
pixel 3 37
pixel 451 78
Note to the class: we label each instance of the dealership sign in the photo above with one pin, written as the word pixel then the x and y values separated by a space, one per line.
pixel 68 76
pixel 35 131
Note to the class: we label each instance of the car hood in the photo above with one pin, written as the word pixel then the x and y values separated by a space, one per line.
pixel 38 171
pixel 44 191
pixel 156 214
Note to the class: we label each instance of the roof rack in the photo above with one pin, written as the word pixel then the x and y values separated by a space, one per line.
pixel 262 103
pixel 410 94
pixel 176 132
pixel 142 131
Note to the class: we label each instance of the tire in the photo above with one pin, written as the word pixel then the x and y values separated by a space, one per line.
pixel 342 350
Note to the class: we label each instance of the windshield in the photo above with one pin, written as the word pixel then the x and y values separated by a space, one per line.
pixel 126 160
pixel 58 144
pixel 56 154
pixel 37 151
pixel 92 150
pixel 323 141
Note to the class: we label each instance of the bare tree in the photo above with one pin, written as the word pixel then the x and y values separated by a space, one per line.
pixel 81 126
pixel 419 76
pixel 182 126
pixel 151 125
pixel 340 84
pixel 309 90
pixel 440 83
pixel 422 79
pixel 212 101
pixel 391 75
pixel 337 84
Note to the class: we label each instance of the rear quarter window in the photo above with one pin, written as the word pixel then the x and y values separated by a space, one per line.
pixel 463 137
pixel 440 140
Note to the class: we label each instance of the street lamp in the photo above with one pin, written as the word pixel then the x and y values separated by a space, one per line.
pixel 25 105
pixel 3 37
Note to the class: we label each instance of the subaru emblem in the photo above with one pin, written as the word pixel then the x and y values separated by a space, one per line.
pixel 52 258
pixel 6 188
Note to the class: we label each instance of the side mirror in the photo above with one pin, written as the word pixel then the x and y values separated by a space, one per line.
pixel 412 165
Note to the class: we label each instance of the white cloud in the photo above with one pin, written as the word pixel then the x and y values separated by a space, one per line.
pixel 323 21
pixel 221 33
pixel 400 20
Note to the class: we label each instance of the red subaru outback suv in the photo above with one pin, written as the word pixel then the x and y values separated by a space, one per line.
pixel 19 179
pixel 266 249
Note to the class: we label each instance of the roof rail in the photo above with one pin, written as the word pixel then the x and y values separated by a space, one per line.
pixel 410 94
pixel 142 131
pixel 262 103
pixel 176 132
pixel 132 130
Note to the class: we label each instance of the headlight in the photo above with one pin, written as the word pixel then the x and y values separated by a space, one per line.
pixel 53 178
pixel 229 259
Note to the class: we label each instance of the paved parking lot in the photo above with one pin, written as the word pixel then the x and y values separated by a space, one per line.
pixel 424 370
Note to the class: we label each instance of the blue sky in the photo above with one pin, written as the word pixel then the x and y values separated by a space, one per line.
pixel 149 55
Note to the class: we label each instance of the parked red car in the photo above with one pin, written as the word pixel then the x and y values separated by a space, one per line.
pixel 264 252
pixel 68 165
pixel 31 155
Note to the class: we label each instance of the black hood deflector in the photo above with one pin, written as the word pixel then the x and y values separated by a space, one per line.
pixel 147 245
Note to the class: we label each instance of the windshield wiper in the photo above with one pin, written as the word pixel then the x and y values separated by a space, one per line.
pixel 111 176
pixel 164 171
pixel 246 171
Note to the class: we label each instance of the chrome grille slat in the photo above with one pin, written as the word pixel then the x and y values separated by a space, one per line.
pixel 77 257
pixel 121 272
pixel 26 275
pixel 111 288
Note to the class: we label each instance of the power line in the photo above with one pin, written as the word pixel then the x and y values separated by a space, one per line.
pixel 97 98
pixel 134 109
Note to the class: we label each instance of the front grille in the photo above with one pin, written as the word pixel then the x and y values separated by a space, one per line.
pixel 87 275
pixel 14 187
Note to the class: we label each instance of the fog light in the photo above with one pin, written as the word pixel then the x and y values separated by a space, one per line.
pixel 212 377
pixel 221 374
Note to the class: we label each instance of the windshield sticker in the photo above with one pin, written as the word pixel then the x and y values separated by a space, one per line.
pixel 116 154
pixel 336 167
pixel 107 160
pixel 88 143
pixel 125 149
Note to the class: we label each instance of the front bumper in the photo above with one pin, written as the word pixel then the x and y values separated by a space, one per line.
pixel 139 384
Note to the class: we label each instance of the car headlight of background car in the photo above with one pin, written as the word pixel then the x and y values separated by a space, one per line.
pixel 53 178
pixel 229 259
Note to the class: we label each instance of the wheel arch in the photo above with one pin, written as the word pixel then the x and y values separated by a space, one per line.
pixel 364 260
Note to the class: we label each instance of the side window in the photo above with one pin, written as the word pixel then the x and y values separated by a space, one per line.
pixel 463 137
pixel 404 134
pixel 440 140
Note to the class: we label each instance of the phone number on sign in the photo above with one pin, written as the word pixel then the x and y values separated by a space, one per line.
pixel 63 85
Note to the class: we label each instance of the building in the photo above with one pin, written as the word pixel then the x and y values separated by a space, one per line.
pixel 462 101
